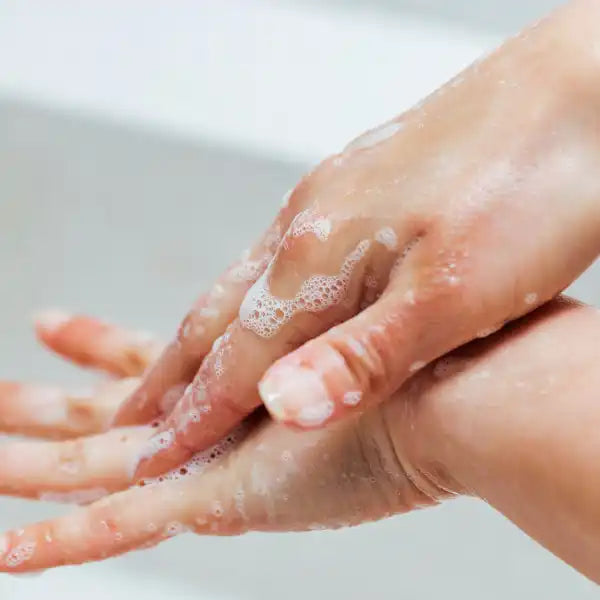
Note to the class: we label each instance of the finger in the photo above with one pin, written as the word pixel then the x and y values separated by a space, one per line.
pixel 139 517
pixel 364 360
pixel 276 480
pixel 280 480
pixel 78 471
pixel 90 342
pixel 225 389
pixel 206 321
pixel 51 412
pixel 119 523
pixel 345 369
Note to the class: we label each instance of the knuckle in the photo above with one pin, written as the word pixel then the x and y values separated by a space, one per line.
pixel 133 361
pixel 440 285
pixel 364 360
pixel 192 326
pixel 447 275
pixel 330 271
pixel 305 251
pixel 84 416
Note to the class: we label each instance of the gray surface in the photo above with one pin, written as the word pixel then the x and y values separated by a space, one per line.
pixel 123 224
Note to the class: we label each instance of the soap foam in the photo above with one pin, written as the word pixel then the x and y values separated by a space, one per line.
pixel 308 222
pixel 264 314
pixel 198 463
pixel 20 554
pixel 352 398
pixel 387 236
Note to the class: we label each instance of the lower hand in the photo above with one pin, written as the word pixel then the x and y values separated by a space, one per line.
pixel 464 213
pixel 511 419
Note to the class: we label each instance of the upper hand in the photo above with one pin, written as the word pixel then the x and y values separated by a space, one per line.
pixel 460 215
pixel 511 419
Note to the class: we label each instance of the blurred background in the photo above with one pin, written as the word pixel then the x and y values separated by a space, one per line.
pixel 143 144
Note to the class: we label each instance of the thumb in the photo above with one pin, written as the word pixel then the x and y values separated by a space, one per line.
pixel 352 366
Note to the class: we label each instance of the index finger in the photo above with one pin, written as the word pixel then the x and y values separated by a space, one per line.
pixel 90 342
pixel 135 518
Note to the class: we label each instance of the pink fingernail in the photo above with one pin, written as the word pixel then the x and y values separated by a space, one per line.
pixel 48 405
pixel 297 395
pixel 51 319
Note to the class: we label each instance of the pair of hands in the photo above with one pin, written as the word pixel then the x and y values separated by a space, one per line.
pixel 413 241
pixel 263 476
pixel 510 419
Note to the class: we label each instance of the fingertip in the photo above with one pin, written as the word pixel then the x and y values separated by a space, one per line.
pixel 17 549
pixel 50 320
pixel 297 395
pixel 321 382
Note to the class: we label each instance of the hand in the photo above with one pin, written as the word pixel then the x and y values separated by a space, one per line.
pixel 262 485
pixel 511 419
pixel 82 468
pixel 462 214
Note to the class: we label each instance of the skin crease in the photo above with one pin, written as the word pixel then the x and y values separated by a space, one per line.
pixel 511 419
pixel 489 188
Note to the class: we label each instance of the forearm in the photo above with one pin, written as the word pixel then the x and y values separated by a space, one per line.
pixel 515 422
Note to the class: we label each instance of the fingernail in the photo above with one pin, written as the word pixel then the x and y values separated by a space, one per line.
pixel 297 395
pixel 49 406
pixel 51 319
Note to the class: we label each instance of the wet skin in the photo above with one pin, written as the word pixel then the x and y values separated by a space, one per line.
pixel 462 214
pixel 487 420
